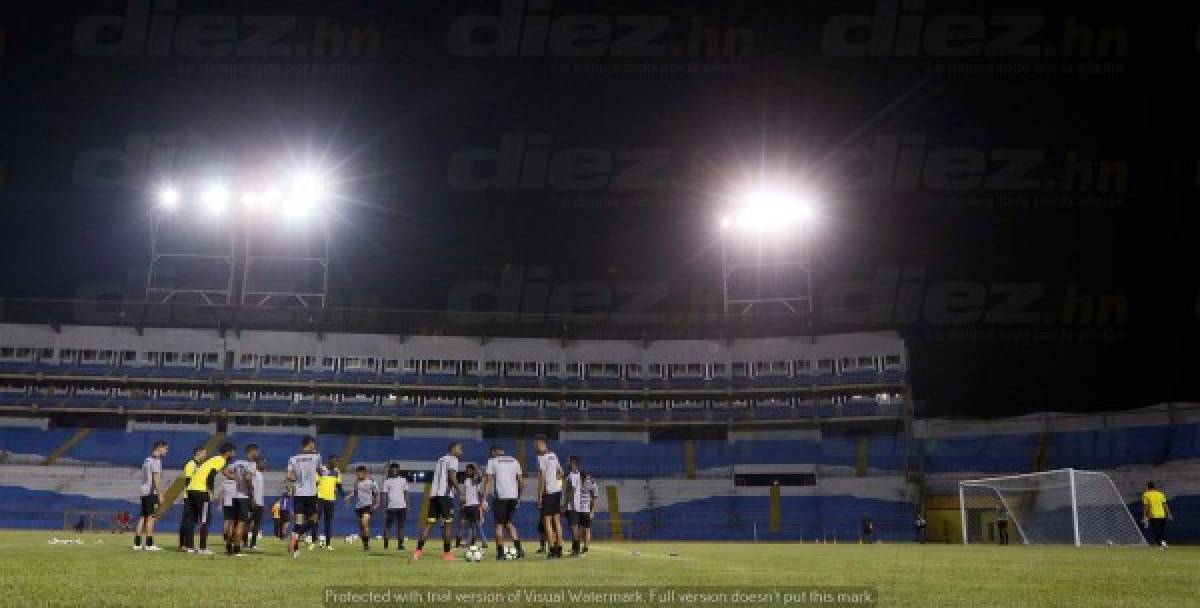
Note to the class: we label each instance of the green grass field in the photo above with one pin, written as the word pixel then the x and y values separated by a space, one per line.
pixel 35 573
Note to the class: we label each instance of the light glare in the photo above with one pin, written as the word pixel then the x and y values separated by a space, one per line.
pixel 770 207
pixel 215 199
pixel 168 198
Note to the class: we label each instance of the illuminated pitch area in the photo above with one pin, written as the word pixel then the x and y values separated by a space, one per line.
pixel 37 573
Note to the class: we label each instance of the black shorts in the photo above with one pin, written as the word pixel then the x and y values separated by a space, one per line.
pixel 552 504
pixel 360 511
pixel 242 508
pixel 1002 524
pixel 149 505
pixel 229 512
pixel 584 520
pixel 196 509
pixel 504 511
pixel 304 505
pixel 325 508
pixel 440 508
pixel 396 515
pixel 470 513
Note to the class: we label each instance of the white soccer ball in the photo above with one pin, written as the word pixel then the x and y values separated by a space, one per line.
pixel 473 554
pixel 349 539
pixel 510 553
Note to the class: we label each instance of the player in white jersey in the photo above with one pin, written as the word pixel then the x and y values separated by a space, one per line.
pixel 256 504
pixel 572 482
pixel 151 497
pixel 395 488
pixel 581 502
pixel 365 498
pixel 241 473
pixel 550 478
pixel 445 482
pixel 302 472
pixel 225 494
pixel 503 475
pixel 587 508
pixel 472 486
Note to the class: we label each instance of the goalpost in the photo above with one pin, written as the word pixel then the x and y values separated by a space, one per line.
pixel 1065 506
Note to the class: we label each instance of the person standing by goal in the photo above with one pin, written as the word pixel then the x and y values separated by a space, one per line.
pixel 1155 513
pixel 151 497
pixel 1001 522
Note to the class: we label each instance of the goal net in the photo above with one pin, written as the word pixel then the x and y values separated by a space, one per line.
pixel 89 521
pixel 1055 507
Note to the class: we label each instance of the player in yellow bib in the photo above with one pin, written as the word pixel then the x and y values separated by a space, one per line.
pixel 329 487
pixel 187 524
pixel 200 486
pixel 1155 513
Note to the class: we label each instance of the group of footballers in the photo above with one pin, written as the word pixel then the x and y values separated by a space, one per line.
pixel 237 483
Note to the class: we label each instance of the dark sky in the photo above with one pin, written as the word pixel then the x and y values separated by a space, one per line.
pixel 1015 186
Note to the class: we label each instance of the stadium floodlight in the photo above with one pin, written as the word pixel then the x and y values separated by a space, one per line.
pixel 260 200
pixel 306 191
pixel 215 199
pixel 770 207
pixel 168 198
pixel 763 267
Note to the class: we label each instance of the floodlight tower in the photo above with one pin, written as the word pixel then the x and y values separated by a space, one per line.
pixel 190 262
pixel 766 251
pixel 287 244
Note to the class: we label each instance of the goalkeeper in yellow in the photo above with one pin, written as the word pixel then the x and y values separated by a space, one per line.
pixel 1155 513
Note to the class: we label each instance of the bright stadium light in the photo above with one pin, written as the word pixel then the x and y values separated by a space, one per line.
pixel 257 201
pixel 770 207
pixel 168 198
pixel 766 248
pixel 215 199
pixel 306 191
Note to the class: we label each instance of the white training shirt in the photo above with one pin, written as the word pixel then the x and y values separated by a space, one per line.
pixel 446 466
pixel 150 466
pixel 505 470
pixel 228 489
pixel 587 496
pixel 574 481
pixel 365 491
pixel 470 490
pixel 304 467
pixel 240 468
pixel 258 487
pixel 548 465
pixel 396 489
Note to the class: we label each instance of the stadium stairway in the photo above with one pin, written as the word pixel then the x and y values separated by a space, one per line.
pixel 348 452
pixel 67 445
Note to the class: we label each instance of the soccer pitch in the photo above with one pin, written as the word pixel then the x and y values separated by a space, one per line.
pixel 109 573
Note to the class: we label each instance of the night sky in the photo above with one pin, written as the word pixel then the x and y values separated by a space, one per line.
pixel 1014 189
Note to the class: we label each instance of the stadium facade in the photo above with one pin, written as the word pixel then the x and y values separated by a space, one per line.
pixel 724 433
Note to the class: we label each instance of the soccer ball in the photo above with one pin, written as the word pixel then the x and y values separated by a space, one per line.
pixel 350 539
pixel 510 553
pixel 473 554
